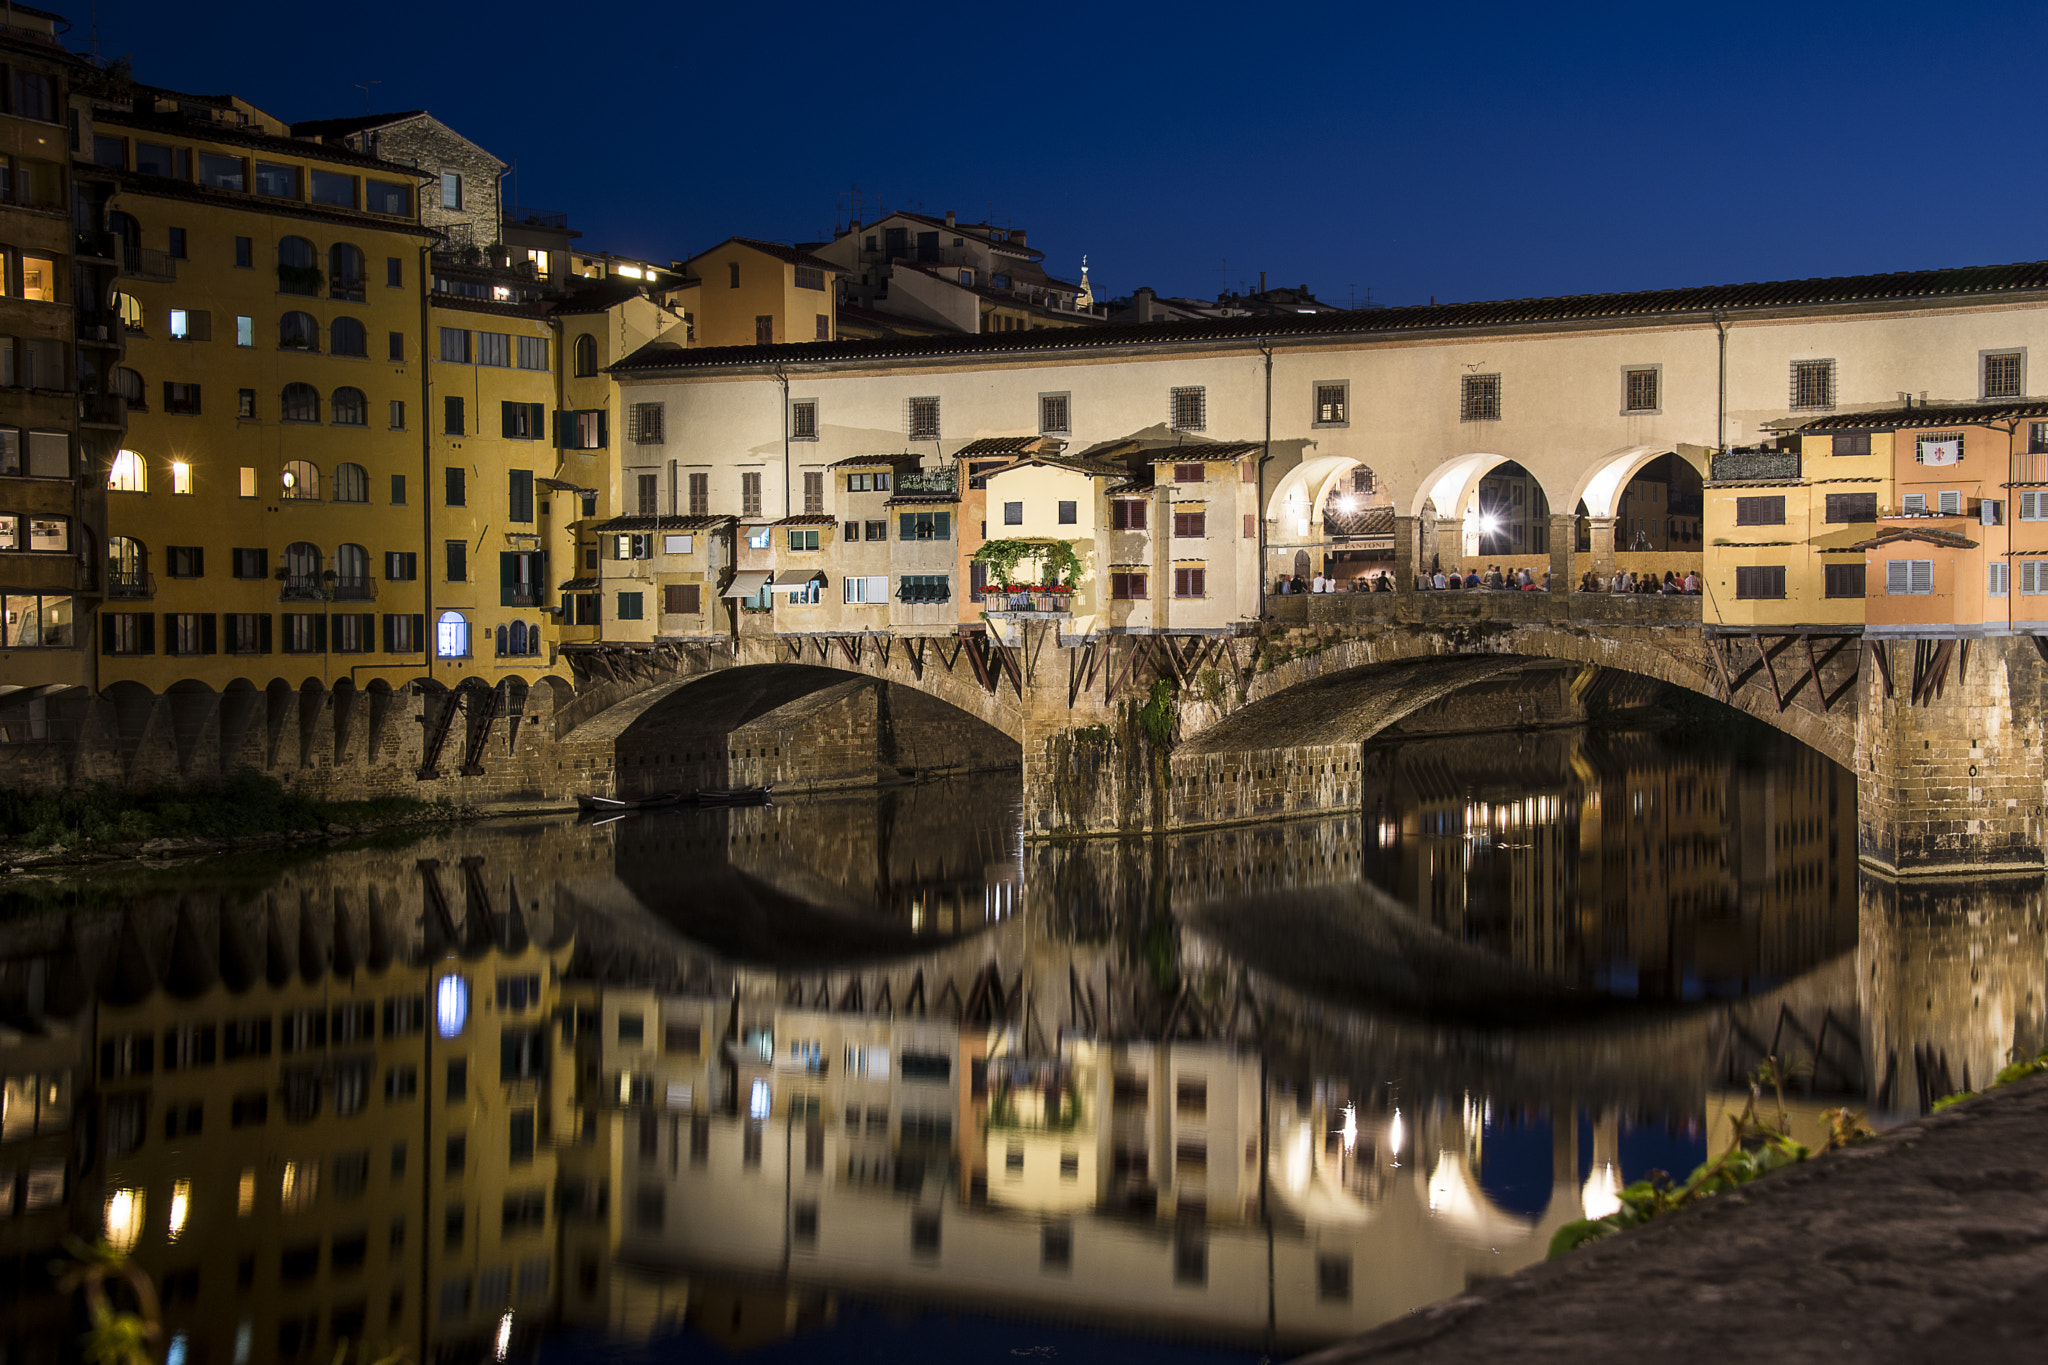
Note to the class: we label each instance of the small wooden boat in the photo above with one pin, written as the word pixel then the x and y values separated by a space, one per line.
pixel 734 796
pixel 615 803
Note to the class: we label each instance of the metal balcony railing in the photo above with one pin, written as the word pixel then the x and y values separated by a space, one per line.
pixel 102 410
pixel 363 589
pixel 301 588
pixel 131 584
pixel 147 263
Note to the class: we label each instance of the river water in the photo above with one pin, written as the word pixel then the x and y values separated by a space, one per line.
pixel 871 1076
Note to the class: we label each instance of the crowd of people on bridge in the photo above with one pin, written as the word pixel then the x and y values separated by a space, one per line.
pixel 1496 579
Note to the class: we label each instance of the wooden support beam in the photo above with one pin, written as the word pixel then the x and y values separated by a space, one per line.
pixel 915 649
pixel 1721 665
pixel 1776 691
pixel 1882 652
pixel 980 662
pixel 850 647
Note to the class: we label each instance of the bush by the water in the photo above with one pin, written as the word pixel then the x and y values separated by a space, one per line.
pixel 245 804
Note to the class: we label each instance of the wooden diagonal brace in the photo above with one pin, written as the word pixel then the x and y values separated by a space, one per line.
pixel 1776 691
pixel 1882 652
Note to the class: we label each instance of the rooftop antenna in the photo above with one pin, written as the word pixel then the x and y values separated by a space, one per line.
pixel 364 86
pixel 95 29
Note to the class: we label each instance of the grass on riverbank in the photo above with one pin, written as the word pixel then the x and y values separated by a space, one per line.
pixel 241 806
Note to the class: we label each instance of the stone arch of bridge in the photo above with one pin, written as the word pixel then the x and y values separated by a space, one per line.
pixel 1600 486
pixel 1352 689
pixel 1299 496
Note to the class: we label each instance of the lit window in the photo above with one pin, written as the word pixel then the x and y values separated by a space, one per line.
pixel 124 1219
pixel 245 1193
pixel 758 1104
pixel 181 1208
pixel 181 477
pixel 128 475
pixel 248 481
pixel 181 324
pixel 451 996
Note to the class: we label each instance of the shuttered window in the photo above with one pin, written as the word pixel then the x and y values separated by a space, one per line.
pixel 1768 511
pixel 1190 525
pixel 1844 580
pixel 1127 587
pixel 1190 582
pixel 1126 515
pixel 1998 581
pixel 1909 577
pixel 1760 582
pixel 1846 507
pixel 681 599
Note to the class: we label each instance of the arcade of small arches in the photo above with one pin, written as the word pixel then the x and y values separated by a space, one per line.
pixel 297 480
pixel 1334 514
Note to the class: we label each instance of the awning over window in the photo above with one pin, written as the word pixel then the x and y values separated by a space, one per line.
pixel 748 583
pixel 799 578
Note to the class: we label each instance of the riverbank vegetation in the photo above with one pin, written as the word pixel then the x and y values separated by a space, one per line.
pixel 1757 1148
pixel 243 806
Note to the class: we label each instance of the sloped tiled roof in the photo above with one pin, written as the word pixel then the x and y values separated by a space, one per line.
pixel 1909 286
pixel 1926 535
pixel 899 460
pixel 988 446
pixel 1931 415
pixel 650 523
pixel 1233 450
pixel 781 251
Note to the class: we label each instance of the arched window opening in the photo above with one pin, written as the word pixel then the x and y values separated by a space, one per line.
pixel 1660 509
pixel 301 481
pixel 128 385
pixel 347 337
pixel 302 571
pixel 128 474
pixel 301 403
pixel 352 573
pixel 298 270
pixel 1509 516
pixel 130 310
pixel 451 636
pixel 298 332
pixel 503 641
pixel 127 567
pixel 586 355
pixel 345 272
pixel 351 409
pixel 533 637
pixel 351 482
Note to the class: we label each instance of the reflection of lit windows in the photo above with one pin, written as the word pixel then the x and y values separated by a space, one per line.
pixel 758 1101
pixel 181 1209
pixel 451 996
pixel 760 1041
pixel 245 1193
pixel 124 1219
pixel 175 1353
pixel 300 1183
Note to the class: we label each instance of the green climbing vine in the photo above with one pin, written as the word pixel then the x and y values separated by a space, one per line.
pixel 1058 563
pixel 1156 715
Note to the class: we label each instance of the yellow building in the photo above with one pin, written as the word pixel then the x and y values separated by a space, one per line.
pixel 268 499
pixel 754 293
pixel 1784 527
pixel 333 1135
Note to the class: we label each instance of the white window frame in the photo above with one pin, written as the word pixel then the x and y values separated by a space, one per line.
pixel 1908 577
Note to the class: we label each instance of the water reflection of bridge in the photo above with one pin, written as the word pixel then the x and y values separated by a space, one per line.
pixel 1088 1095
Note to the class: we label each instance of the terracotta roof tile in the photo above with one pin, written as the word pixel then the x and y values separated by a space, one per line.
pixel 1931 415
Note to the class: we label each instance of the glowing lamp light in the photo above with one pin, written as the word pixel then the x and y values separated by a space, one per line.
pixel 758 1101
pixel 1350 1128
pixel 451 1006
pixel 291 479
pixel 1347 504
pixel 1602 1194
pixel 1488 525
pixel 502 1345
pixel 124 1219
pixel 1396 1131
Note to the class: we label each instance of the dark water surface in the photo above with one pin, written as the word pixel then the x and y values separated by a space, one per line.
pixel 870 1078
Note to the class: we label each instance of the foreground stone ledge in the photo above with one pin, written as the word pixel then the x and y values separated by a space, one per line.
pixel 1930 1243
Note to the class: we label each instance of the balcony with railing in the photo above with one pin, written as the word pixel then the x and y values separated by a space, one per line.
pixel 522 216
pixel 99 325
pixel 147 263
pixel 131 584
pixel 355 589
pixel 95 244
pixel 300 587
pixel 1757 464
pixel 102 410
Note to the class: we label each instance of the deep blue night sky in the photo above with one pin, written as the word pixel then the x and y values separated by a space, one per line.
pixel 1466 152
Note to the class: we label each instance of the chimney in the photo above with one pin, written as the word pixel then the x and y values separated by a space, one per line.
pixel 951 221
pixel 1017 236
pixel 1262 281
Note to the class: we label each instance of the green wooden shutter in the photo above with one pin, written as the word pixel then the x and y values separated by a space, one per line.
pixel 263 633
pixel 942 526
pixel 907 529
pixel 506 424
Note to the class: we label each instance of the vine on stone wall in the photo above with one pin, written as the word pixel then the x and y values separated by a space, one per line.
pixel 1059 564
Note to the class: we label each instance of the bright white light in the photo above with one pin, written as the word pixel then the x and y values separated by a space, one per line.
pixel 1488 525
pixel 175 1353
pixel 1602 1194
pixel 1395 1132
pixel 124 1219
pixel 631 272
pixel 1347 504
pixel 451 1005
pixel 503 1345
pixel 758 1101
pixel 1350 1128
pixel 181 1208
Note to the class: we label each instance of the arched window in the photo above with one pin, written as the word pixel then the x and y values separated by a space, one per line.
pixel 345 272
pixel 502 635
pixel 301 403
pixel 127 567
pixel 350 409
pixel 519 637
pixel 301 480
pixel 130 310
pixel 298 332
pixel 451 636
pixel 128 474
pixel 586 354
pixel 128 385
pixel 351 483
pixel 347 337
pixel 301 569
pixel 298 270
pixel 351 572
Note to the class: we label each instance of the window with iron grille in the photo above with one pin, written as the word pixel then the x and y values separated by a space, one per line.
pixel 1843 580
pixel 1813 384
pixel 814 493
pixel 1190 582
pixel 1760 511
pixel 924 587
pixel 646 424
pixel 1333 405
pixel 924 419
pixel 1479 398
pixel 803 420
pixel 1760 581
pixel 1909 577
pixel 1053 413
pixel 1190 409
pixel 2002 376
pixel 1843 507
pixel 1640 390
